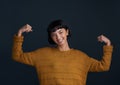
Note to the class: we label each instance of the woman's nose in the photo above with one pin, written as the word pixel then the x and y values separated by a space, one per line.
pixel 58 36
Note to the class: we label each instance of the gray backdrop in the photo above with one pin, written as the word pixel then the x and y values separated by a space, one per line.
pixel 87 19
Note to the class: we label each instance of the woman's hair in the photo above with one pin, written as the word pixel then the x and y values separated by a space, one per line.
pixel 55 25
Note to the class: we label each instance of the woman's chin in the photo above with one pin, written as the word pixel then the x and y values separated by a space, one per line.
pixel 60 44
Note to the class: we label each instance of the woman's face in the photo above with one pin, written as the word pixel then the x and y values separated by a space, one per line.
pixel 60 36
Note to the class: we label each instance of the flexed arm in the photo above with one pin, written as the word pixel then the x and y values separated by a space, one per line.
pixel 17 52
pixel 104 63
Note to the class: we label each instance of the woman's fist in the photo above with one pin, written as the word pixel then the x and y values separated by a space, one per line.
pixel 25 28
pixel 104 39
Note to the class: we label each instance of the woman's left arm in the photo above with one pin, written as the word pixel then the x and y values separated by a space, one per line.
pixel 104 63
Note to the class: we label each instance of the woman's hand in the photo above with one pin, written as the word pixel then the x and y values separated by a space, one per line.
pixel 104 39
pixel 25 28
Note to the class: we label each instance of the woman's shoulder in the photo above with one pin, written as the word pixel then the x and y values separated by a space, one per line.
pixel 46 48
pixel 79 52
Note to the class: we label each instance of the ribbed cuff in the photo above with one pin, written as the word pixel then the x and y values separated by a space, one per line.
pixel 108 48
pixel 18 38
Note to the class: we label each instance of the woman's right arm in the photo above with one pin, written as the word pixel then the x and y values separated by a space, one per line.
pixel 17 52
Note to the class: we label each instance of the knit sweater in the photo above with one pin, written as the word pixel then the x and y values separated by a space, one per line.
pixel 55 67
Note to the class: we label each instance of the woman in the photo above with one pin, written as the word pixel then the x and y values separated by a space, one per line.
pixel 60 64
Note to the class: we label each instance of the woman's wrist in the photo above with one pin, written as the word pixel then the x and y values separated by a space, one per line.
pixel 19 33
pixel 108 43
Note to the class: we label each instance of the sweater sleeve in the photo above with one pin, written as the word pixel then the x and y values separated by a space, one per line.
pixel 104 63
pixel 18 54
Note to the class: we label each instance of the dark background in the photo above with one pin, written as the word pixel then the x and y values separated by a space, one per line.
pixel 87 19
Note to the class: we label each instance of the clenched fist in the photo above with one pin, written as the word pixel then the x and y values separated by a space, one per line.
pixel 25 28
pixel 104 39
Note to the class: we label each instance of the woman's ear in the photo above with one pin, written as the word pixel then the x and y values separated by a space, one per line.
pixel 67 32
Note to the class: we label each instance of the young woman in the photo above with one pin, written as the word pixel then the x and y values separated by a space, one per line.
pixel 60 64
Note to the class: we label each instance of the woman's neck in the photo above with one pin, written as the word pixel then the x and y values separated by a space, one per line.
pixel 64 47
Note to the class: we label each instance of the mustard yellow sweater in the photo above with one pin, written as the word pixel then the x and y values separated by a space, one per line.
pixel 55 67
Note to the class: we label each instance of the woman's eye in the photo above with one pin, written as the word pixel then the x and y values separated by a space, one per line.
pixel 60 32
